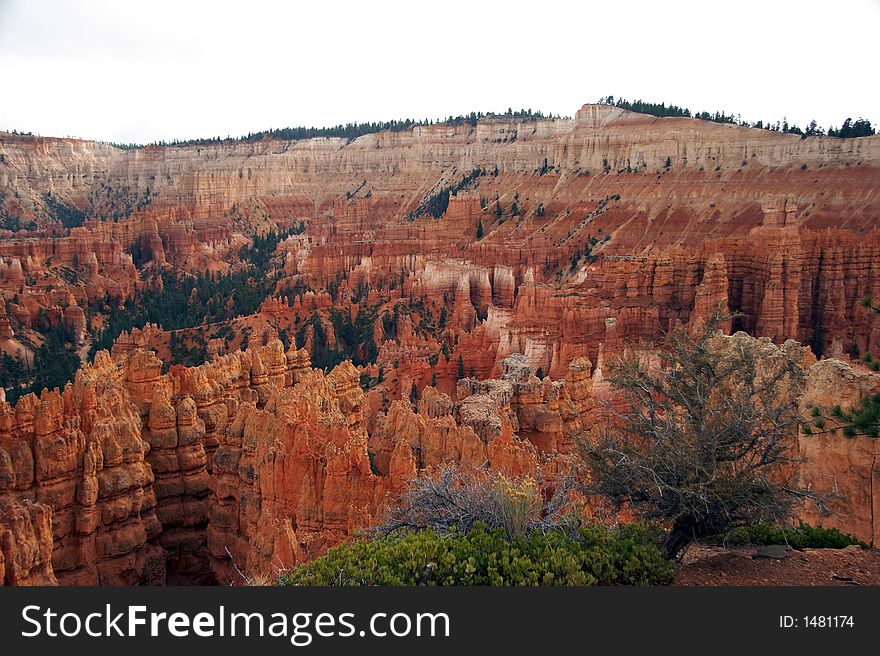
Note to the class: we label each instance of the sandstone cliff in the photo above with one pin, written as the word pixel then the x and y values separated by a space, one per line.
pixel 79 455
pixel 247 464
pixel 846 467
pixel 581 217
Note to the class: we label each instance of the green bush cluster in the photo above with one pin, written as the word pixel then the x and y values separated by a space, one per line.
pixel 585 555
pixel 802 536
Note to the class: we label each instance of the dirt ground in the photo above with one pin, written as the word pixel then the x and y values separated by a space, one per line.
pixel 710 565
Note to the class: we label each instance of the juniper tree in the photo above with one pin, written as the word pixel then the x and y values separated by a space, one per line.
pixel 703 442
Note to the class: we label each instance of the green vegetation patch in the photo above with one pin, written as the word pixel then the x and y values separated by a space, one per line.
pixel 802 536
pixel 583 555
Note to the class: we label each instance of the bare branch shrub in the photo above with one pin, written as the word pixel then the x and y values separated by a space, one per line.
pixel 457 499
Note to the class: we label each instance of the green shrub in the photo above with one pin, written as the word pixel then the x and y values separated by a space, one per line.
pixel 582 555
pixel 802 536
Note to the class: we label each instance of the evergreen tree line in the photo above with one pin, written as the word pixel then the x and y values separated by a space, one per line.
pixel 348 131
pixel 436 204
pixel 851 128
pixel 69 217
pixel 189 356
pixel 185 301
pixel 55 363
pixel 354 339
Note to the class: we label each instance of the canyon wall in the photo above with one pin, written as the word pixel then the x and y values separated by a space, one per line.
pixel 581 216
pixel 845 468
pixel 599 250
pixel 204 181
pixel 74 468
pixel 117 465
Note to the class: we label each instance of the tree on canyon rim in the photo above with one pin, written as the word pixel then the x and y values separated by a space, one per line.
pixel 702 444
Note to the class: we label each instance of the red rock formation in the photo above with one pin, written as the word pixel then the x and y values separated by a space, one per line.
pixel 846 467
pixel 139 338
pixel 301 472
pixel 292 478
pixel 254 462
pixel 26 544
pixel 177 458
pixel 711 296
pixel 122 459
pixel 81 454
pixel 608 248
pixel 599 180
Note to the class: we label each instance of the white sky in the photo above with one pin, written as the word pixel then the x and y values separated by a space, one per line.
pixel 128 70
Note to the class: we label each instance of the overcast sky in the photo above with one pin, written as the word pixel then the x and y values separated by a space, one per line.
pixel 148 70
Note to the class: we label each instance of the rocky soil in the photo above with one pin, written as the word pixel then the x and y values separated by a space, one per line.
pixel 709 565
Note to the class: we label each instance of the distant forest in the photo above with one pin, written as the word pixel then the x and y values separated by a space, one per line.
pixel 348 131
pixel 861 127
pixel 850 128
